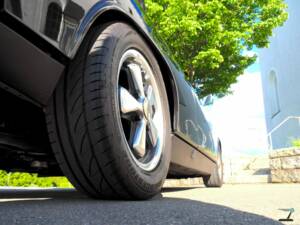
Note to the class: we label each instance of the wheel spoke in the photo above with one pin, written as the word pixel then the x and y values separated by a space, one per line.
pixel 151 99
pixel 150 94
pixel 128 103
pixel 152 132
pixel 139 139
pixel 137 79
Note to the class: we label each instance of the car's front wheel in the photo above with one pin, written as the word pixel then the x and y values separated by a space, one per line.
pixel 108 120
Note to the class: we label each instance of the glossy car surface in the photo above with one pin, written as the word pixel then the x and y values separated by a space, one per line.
pixel 40 37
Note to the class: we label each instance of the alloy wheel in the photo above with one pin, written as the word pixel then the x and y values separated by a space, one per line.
pixel 141 110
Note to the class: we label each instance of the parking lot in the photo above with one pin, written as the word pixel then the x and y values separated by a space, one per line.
pixel 233 204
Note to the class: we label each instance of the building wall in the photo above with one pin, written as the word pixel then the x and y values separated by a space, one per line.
pixel 280 69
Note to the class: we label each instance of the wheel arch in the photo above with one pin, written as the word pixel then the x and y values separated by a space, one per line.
pixel 110 15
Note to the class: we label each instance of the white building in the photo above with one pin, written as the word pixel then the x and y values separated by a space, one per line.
pixel 280 69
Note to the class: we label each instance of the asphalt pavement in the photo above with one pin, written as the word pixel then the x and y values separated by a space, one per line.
pixel 257 204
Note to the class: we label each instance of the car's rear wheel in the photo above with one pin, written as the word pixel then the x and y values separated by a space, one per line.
pixel 108 119
pixel 216 178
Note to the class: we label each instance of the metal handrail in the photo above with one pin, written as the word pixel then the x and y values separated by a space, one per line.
pixel 278 126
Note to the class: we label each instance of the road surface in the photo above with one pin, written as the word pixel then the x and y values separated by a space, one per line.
pixel 232 204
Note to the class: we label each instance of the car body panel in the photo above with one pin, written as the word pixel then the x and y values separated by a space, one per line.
pixel 64 24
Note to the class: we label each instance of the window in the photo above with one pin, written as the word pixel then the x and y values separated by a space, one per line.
pixel 141 3
pixel 16 7
pixel 275 107
pixel 53 20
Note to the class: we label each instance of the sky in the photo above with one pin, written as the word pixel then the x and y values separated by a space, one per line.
pixel 238 119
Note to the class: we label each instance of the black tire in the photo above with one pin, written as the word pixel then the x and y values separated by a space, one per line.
pixel 84 123
pixel 216 178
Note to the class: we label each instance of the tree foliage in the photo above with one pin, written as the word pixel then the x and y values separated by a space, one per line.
pixel 208 38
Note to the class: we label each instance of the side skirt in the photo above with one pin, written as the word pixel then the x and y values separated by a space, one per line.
pixel 187 161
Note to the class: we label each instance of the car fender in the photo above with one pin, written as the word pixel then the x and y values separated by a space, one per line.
pixel 99 13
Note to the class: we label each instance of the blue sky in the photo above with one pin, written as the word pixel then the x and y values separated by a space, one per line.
pixel 239 118
pixel 255 67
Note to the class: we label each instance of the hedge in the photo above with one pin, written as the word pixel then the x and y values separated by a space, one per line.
pixel 32 180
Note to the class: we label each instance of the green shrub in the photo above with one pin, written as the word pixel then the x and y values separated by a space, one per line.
pixel 32 180
pixel 3 178
pixel 296 142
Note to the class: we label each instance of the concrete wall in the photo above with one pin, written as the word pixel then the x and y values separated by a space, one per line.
pixel 282 61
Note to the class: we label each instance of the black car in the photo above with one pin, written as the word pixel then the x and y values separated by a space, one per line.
pixel 87 92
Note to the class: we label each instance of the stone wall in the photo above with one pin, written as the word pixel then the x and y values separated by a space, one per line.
pixel 285 165
pixel 188 182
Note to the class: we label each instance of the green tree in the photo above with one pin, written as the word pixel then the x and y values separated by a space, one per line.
pixel 208 38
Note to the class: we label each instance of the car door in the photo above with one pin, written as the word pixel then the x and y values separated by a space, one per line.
pixel 192 124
